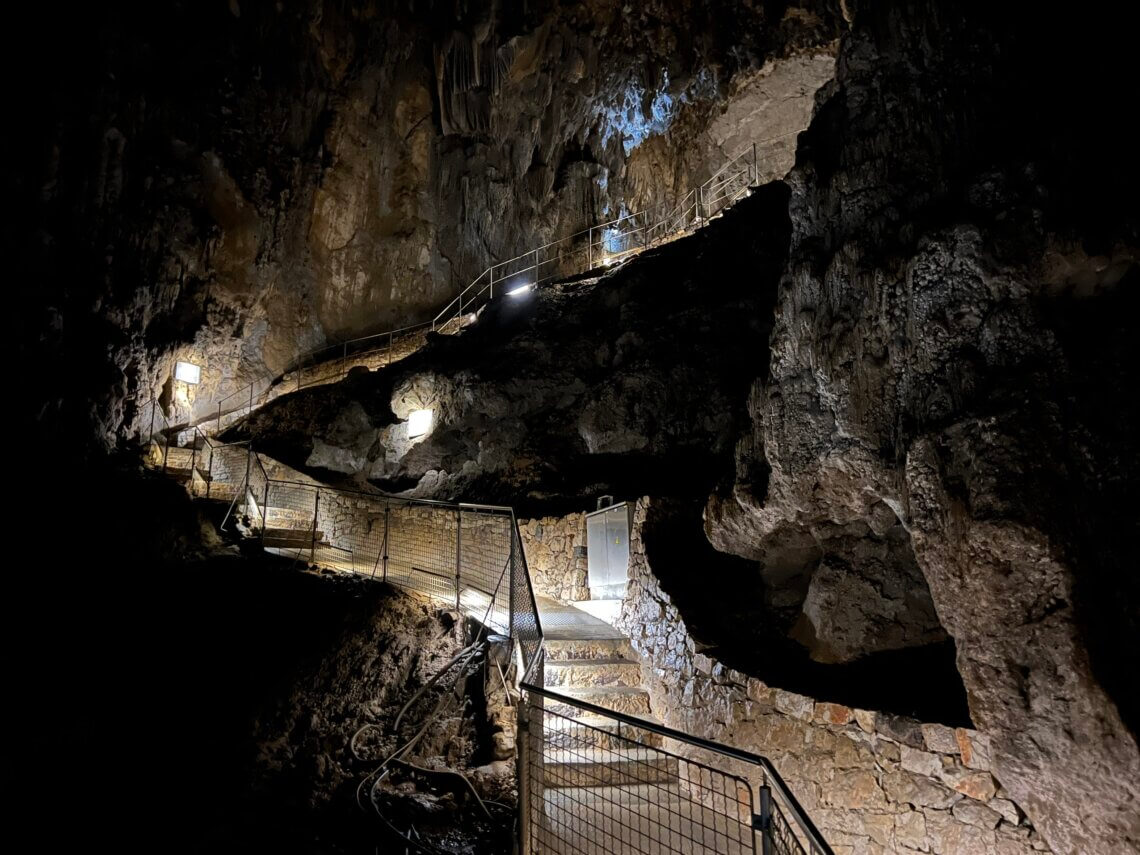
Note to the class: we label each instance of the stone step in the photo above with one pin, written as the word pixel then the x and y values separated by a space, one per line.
pixel 624 699
pixel 584 673
pixel 598 730
pixel 584 767
pixel 559 650
pixel 603 609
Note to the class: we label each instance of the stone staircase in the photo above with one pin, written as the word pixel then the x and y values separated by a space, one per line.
pixel 590 759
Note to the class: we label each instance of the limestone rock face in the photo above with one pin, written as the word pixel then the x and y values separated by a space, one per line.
pixel 951 344
pixel 239 184
pixel 573 391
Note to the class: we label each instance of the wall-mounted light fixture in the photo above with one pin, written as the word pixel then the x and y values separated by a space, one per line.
pixel 188 372
pixel 419 423
pixel 519 291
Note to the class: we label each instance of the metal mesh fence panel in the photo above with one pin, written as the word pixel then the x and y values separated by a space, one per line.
pixel 290 519
pixel 254 499
pixel 597 790
pixel 353 526
pixel 783 836
pixel 422 548
pixel 484 564
pixel 227 466
pixel 526 628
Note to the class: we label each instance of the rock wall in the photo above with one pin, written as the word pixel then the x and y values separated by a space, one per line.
pixel 872 782
pixel 575 390
pixel 948 358
pixel 556 556
pixel 235 184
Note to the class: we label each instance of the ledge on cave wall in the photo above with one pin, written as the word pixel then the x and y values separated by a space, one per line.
pixel 572 391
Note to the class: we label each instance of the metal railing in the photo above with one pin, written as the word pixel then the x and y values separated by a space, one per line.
pixel 610 242
pixel 589 787
pixel 598 246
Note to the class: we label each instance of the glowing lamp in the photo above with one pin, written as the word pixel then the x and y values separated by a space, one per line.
pixel 419 423
pixel 519 291
pixel 188 372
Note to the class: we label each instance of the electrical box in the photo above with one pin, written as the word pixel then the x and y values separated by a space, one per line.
pixel 607 556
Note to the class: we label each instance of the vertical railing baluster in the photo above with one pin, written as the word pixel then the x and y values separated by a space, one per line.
pixel 767 846
pixel 458 551
pixel 387 530
pixel 313 545
pixel 522 774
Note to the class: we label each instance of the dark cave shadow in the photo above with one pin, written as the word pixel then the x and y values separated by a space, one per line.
pixel 722 600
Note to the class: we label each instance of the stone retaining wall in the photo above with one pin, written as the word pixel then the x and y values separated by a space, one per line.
pixel 872 782
pixel 556 556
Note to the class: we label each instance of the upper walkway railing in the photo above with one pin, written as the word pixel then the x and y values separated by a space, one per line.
pixel 596 247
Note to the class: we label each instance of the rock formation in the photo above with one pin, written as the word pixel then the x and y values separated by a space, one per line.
pixel 555 397
pixel 951 355
pixel 237 185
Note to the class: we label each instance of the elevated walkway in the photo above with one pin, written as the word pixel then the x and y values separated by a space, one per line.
pixel 592 250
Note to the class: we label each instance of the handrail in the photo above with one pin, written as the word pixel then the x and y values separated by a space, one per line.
pixel 777 782
pixel 673 221
pixel 530 640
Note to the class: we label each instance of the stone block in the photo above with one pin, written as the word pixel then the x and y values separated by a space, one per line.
pixel 940 738
pixel 856 789
pixel 1008 811
pixel 849 754
pixel 948 836
pixel 974 749
pixel 833 713
pixel 910 830
pixel 887 750
pixel 797 706
pixel 907 788
pixel 903 730
pixel 977 785
pixel 866 720
pixel 921 762
pixel 975 813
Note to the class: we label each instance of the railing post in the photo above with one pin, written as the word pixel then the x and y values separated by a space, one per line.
pixel 764 821
pixel 153 407
pixel 522 775
pixel 387 530
pixel 218 429
pixel 313 544
pixel 492 293
pixel 210 471
pixel 536 268
pixel 193 456
pixel 458 551
pixel 590 249
pixel 265 515
pixel 248 452
pixel 755 166
pixel 511 588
